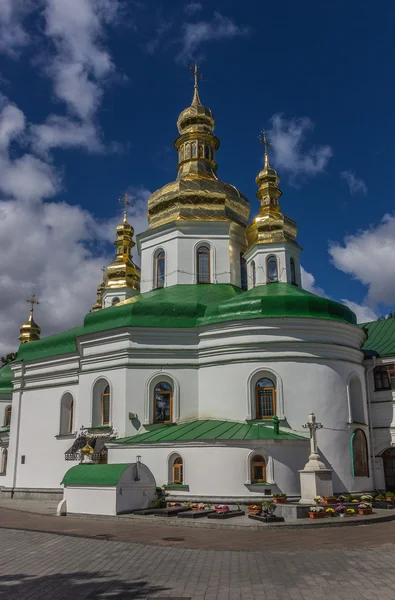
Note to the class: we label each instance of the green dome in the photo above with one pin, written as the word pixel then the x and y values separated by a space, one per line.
pixel 278 300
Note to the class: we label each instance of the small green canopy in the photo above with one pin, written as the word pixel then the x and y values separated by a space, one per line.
pixel 105 475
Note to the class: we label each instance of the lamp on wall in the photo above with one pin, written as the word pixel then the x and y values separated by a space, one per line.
pixel 138 462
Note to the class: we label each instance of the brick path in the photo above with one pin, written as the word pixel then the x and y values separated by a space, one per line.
pixel 43 566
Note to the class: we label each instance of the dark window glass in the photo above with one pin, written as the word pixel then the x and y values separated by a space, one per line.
pixel 243 272
pixel 272 274
pixel 203 264
pixel 105 406
pixel 160 270
pixel 258 469
pixel 384 377
pixel 163 395
pixel 360 454
pixel 7 418
pixel 293 272
pixel 253 274
pixel 178 471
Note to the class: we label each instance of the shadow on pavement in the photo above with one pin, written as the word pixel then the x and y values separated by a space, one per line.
pixel 82 585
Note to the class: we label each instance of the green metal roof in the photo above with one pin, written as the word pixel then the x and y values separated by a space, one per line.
pixel 106 475
pixel 6 376
pixel 381 338
pixel 191 306
pixel 209 429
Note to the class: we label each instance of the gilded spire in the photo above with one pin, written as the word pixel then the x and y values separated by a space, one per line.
pixel 270 225
pixel 123 272
pixel 30 331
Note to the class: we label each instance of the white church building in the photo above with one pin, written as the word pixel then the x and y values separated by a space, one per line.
pixel 203 365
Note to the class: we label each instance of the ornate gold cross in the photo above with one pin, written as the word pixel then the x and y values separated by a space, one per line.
pixel 32 302
pixel 195 70
pixel 124 200
pixel 262 138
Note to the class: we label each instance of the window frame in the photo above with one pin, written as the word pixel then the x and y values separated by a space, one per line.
pixel 178 465
pixel 268 260
pixel 169 393
pixel 257 403
pixel 71 416
pixel 256 463
pixel 292 271
pixel 160 256
pixel 4 461
pixel 384 372
pixel 203 249
pixel 243 273
pixel 7 416
pixel 253 273
pixel 106 395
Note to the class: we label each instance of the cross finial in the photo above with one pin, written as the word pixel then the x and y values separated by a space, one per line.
pixel 197 76
pixel 263 139
pixel 32 302
pixel 124 200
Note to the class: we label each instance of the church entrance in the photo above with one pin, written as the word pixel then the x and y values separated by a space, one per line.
pixel 389 469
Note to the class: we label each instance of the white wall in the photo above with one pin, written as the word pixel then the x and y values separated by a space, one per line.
pixel 283 251
pixel 91 500
pixel 180 242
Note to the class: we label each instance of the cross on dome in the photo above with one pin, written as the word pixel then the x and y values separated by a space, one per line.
pixel 32 302
pixel 263 139
pixel 124 200
pixel 197 76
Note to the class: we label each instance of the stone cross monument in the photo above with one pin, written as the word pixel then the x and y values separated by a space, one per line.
pixel 315 478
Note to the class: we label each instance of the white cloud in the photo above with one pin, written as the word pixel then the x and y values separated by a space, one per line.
pixel 192 8
pixel 13 36
pixel 363 313
pixel 309 284
pixel 368 257
pixel 195 34
pixel 355 184
pixel 288 139
pixel 64 132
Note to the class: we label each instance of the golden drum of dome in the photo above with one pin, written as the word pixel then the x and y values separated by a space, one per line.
pixel 122 272
pixel 29 331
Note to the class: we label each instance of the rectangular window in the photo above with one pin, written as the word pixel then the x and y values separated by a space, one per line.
pixel 105 409
pixel 177 473
pixel 384 377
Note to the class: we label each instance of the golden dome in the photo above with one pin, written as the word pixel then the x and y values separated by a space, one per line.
pixel 30 331
pixel 197 194
pixel 270 225
pixel 99 300
pixel 123 272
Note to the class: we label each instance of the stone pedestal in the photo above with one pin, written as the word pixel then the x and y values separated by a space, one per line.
pixel 315 480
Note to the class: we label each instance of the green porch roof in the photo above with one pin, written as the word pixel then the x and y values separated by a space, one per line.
pixel 6 376
pixel 106 475
pixel 209 429
pixel 191 306
pixel 381 338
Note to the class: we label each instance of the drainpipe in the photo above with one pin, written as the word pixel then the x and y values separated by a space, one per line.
pixel 370 421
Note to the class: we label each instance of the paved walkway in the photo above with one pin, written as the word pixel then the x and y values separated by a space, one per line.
pixel 42 566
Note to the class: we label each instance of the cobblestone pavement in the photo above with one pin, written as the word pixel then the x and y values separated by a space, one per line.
pixel 45 566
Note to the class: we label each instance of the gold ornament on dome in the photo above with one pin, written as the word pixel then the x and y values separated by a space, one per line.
pixel 270 225
pixel 30 331
pixel 197 194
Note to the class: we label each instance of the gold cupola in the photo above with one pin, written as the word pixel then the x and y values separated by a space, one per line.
pixel 30 331
pixel 197 194
pixel 270 225
pixel 123 273
pixel 98 305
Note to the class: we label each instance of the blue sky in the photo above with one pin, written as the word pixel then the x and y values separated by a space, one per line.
pixel 90 94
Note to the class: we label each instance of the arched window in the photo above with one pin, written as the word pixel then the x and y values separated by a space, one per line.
pixel 258 469
pixel 265 397
pixel 194 149
pixel 187 151
pixel 101 403
pixel 293 272
pixel 7 417
pixel 160 263
pixel 66 414
pixel 178 470
pixel 203 264
pixel 253 274
pixel 243 272
pixel 271 269
pixel 207 151
pixel 359 454
pixel 4 460
pixel 201 151
pixel 163 402
pixel 181 153
pixel 355 395
pixel 115 300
